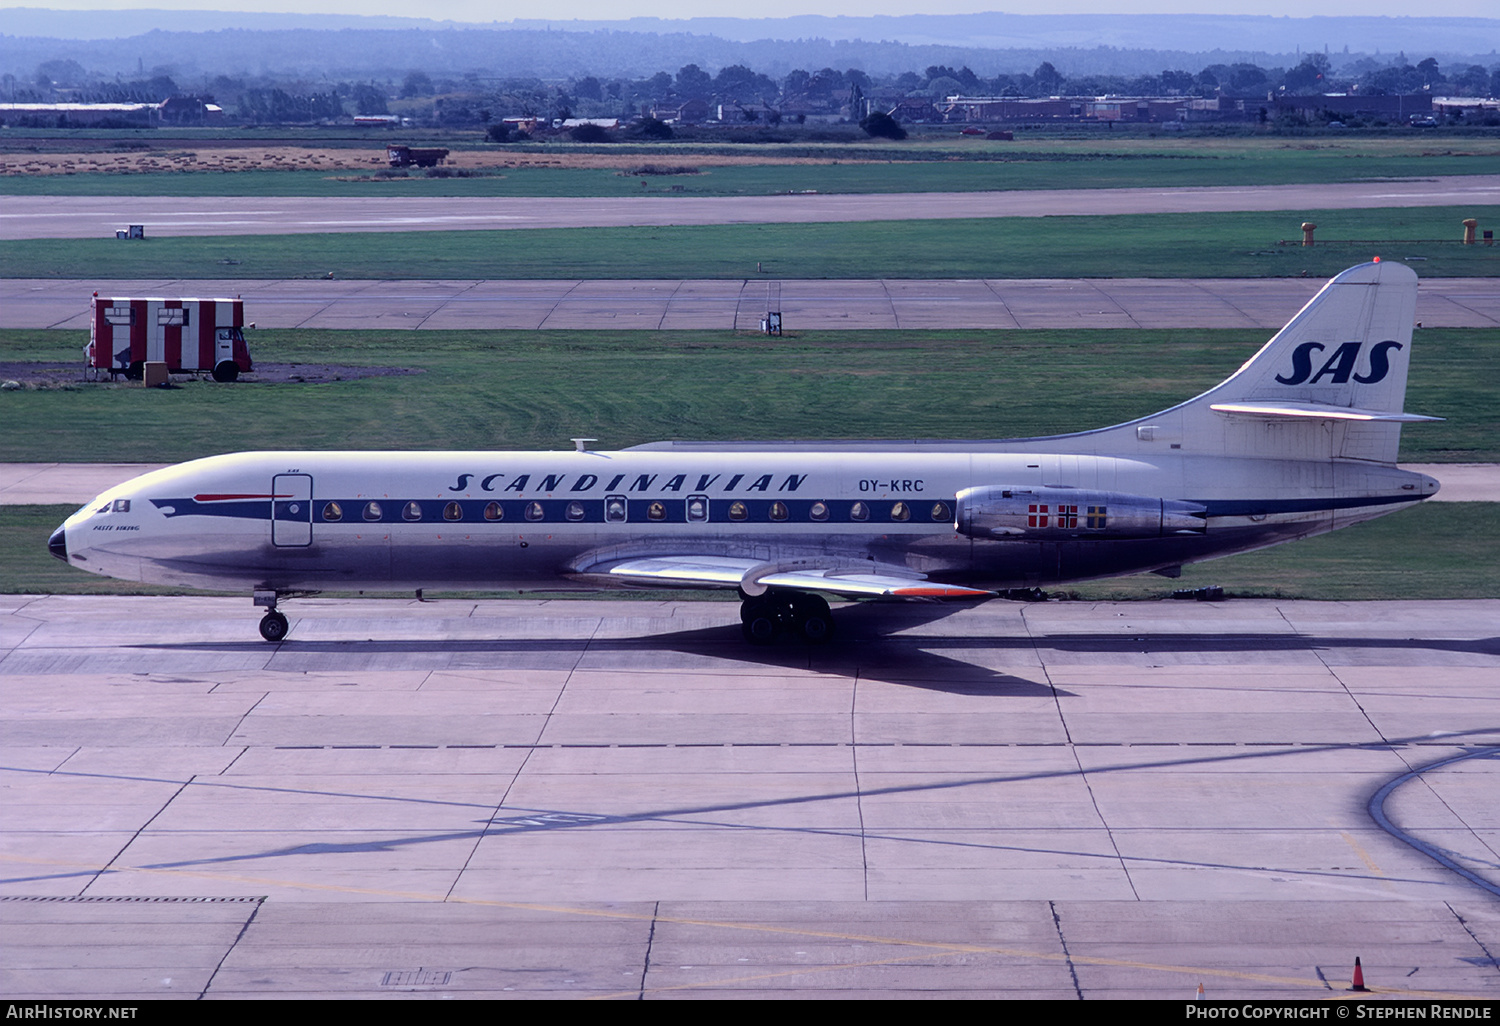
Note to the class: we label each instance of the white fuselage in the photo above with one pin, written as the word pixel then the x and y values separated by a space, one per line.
pixel 316 521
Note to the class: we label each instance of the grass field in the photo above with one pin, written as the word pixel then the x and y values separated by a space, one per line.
pixel 1146 245
pixel 1436 551
pixel 535 390
pixel 945 164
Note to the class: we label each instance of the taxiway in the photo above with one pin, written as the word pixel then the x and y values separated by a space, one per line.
pixel 83 217
pixel 623 799
pixel 739 305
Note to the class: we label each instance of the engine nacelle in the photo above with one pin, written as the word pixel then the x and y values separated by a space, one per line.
pixel 993 511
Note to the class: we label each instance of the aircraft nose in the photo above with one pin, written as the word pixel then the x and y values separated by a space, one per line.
pixel 58 544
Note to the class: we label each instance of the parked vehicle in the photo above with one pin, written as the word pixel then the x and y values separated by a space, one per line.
pixel 191 336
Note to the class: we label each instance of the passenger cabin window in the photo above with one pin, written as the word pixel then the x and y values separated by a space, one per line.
pixel 900 511
pixel 656 511
pixel 697 508
pixel 413 511
pixel 453 511
pixel 859 511
pixel 575 511
pixel 778 511
pixel 333 512
pixel 494 511
pixel 614 509
pixel 940 511
pixel 372 511
pixel 737 511
pixel 534 511
pixel 819 511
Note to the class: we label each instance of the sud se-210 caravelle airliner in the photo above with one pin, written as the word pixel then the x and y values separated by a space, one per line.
pixel 1300 440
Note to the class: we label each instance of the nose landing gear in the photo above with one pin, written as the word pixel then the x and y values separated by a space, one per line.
pixel 808 617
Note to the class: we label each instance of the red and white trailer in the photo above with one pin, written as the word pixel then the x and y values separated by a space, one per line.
pixel 202 336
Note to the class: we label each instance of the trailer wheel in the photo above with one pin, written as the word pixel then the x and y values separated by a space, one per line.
pixel 226 370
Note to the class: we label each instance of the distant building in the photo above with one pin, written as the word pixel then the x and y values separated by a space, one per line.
pixel 915 109
pixel 64 114
pixel 1071 108
pixel 688 112
pixel 188 110
pixel 1347 105
pixel 744 113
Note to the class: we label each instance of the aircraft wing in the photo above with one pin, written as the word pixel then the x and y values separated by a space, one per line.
pixel 853 578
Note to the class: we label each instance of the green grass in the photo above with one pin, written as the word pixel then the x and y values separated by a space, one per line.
pixel 942 165
pixel 1235 245
pixel 1436 551
pixel 536 389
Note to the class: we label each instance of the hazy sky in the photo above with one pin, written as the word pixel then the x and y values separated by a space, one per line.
pixel 487 10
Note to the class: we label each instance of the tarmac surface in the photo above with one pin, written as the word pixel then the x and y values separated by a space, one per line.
pixel 739 305
pixel 85 217
pixel 623 799
pixel 76 483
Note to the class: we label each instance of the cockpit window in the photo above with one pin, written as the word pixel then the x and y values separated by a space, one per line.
pixel 121 506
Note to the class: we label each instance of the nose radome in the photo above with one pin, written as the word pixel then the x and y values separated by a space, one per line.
pixel 58 544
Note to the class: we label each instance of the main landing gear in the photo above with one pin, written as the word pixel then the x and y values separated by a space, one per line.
pixel 763 617
pixel 273 625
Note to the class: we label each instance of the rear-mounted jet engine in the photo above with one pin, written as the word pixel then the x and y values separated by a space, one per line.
pixel 997 512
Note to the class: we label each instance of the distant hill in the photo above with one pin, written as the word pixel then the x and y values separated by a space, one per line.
pixel 189 44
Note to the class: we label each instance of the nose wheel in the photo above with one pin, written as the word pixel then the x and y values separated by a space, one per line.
pixel 273 626
pixel 766 616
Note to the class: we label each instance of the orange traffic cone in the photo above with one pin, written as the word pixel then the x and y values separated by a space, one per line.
pixel 1359 977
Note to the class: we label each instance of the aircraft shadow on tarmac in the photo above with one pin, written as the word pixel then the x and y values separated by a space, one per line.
pixel 869 645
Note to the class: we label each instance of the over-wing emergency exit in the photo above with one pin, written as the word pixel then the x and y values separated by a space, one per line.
pixel 1301 440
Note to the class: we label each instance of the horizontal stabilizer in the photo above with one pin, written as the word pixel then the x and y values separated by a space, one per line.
pixel 1316 411
pixel 866 580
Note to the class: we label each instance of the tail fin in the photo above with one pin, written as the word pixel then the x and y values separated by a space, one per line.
pixel 1348 347
pixel 1329 384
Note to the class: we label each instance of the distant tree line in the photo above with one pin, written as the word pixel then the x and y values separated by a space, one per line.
pixel 478 100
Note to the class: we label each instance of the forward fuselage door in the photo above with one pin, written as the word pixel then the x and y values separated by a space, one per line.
pixel 291 509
